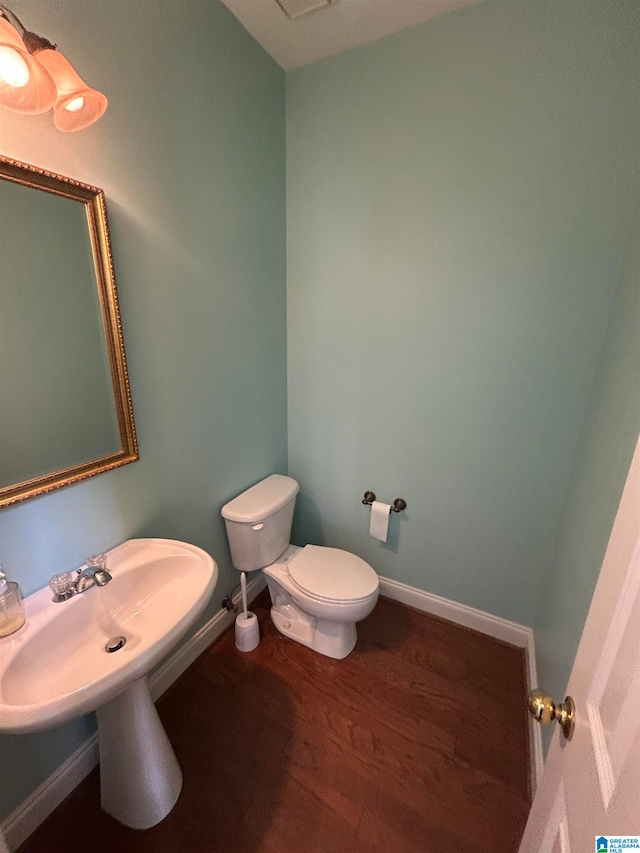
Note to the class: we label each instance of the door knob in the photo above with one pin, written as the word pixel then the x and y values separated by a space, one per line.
pixel 543 709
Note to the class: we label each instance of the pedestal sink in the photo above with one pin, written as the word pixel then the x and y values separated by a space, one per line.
pixel 56 667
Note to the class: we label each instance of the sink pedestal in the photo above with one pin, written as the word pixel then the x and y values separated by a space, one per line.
pixel 140 779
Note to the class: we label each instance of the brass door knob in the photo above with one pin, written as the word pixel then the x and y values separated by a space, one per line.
pixel 543 709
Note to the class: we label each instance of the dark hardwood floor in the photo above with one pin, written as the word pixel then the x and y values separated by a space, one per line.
pixel 416 742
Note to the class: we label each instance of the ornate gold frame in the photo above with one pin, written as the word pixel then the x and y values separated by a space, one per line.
pixel 94 203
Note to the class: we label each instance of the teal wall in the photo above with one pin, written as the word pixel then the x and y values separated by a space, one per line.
pixel 607 442
pixel 191 155
pixel 459 198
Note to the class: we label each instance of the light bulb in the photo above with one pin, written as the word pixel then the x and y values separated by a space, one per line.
pixel 14 71
pixel 75 105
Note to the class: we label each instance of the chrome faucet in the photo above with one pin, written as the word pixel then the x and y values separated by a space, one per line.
pixel 65 585
pixel 95 574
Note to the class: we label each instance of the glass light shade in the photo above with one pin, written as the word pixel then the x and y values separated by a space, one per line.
pixel 77 106
pixel 25 86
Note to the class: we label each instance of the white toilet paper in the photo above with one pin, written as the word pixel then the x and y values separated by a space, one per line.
pixel 379 520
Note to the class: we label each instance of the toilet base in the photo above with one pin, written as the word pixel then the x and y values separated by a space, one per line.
pixel 332 639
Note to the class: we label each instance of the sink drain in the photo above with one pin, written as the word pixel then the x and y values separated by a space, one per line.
pixel 115 643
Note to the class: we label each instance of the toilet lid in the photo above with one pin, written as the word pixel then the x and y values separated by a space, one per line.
pixel 332 574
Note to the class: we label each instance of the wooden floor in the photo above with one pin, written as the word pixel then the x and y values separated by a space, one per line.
pixel 416 742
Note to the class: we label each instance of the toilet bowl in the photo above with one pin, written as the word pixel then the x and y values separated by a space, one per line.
pixel 316 605
pixel 317 593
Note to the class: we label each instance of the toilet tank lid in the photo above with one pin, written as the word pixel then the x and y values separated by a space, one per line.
pixel 261 500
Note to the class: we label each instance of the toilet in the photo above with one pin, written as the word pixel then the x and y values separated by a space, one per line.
pixel 317 594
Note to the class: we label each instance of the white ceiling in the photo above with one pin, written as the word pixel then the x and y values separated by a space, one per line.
pixel 333 28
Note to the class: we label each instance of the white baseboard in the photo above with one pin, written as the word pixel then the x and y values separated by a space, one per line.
pixel 47 797
pixel 478 620
pixel 461 614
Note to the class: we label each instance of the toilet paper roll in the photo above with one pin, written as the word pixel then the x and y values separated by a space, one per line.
pixel 379 520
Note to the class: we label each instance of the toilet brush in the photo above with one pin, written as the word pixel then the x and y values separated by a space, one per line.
pixel 247 628
pixel 243 587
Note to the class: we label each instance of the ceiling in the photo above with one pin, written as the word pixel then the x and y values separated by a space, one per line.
pixel 332 26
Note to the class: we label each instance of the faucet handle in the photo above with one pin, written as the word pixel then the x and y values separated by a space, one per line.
pixel 97 561
pixel 62 586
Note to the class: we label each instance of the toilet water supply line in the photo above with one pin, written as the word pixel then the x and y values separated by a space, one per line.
pixel 228 604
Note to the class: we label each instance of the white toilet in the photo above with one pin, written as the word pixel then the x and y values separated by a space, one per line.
pixel 317 594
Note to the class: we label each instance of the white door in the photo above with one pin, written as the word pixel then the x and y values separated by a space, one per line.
pixel 591 784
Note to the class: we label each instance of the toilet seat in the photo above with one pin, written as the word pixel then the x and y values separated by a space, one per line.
pixel 332 575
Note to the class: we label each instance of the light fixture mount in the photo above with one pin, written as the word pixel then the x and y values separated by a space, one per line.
pixel 34 43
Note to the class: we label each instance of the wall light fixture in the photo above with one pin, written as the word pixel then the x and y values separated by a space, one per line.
pixel 35 76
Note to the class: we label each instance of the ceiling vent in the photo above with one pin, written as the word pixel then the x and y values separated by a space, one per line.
pixel 297 8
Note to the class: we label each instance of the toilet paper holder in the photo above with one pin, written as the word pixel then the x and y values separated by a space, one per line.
pixel 398 505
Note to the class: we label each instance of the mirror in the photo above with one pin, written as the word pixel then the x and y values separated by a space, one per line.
pixel 65 402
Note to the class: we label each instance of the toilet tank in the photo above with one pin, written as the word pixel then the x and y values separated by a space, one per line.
pixel 259 522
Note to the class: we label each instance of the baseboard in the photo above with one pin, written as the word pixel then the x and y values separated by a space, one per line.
pixel 461 614
pixel 494 626
pixel 47 797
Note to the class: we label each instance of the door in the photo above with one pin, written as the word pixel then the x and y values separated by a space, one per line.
pixel 591 783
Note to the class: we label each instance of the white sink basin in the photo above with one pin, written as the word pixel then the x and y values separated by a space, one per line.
pixel 56 667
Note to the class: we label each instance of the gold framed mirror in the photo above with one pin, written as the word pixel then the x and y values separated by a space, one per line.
pixel 65 401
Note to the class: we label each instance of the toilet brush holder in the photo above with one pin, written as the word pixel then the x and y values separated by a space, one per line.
pixel 247 631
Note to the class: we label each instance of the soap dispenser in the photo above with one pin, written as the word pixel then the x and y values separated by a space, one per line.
pixel 11 607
